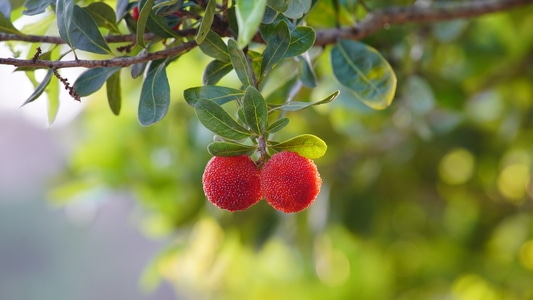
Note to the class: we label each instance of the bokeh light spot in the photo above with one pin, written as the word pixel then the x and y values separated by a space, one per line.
pixel 456 167
pixel 512 182
pixel 331 265
pixel 473 287
pixel 526 254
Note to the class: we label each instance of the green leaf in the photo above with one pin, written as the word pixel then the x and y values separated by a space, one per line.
pixel 7 27
pixel 103 15
pixel 297 9
pixel 240 63
pixel 158 25
pixel 270 16
pixel 155 95
pixel 302 39
pixel 52 93
pixel 35 7
pixel 306 145
pixel 78 29
pixel 216 119
pixel 278 125
pixel 306 73
pixel 279 5
pixel 298 105
pixel 229 149
pixel 277 44
pixel 144 13
pixel 249 14
pixel 138 69
pixel 363 70
pixel 218 94
pixel 92 80
pixel 255 110
pixel 40 88
pixel 214 46
pixel 114 97
pixel 165 3
pixel 215 70
pixel 122 8
pixel 207 21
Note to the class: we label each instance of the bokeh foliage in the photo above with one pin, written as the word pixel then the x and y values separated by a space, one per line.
pixel 430 198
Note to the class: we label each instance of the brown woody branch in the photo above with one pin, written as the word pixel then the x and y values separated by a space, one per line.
pixel 113 62
pixel 377 19
pixel 374 21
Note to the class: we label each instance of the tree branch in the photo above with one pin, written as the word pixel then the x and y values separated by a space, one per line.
pixel 374 21
pixel 377 19
pixel 113 62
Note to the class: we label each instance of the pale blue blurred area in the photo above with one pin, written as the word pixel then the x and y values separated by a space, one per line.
pixel 44 252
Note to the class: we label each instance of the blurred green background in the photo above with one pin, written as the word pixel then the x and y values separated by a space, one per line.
pixel 428 199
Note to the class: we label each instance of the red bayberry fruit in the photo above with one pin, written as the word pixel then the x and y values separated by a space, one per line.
pixel 290 182
pixel 135 13
pixel 232 183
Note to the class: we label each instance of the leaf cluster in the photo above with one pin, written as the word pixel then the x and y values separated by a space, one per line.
pixel 250 38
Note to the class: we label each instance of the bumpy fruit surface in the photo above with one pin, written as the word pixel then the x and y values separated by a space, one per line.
pixel 232 183
pixel 290 182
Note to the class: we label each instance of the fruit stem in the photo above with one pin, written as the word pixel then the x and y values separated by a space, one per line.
pixel 261 148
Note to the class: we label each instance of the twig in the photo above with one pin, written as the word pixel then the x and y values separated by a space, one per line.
pixel 113 62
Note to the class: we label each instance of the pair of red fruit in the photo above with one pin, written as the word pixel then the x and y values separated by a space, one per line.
pixel 288 182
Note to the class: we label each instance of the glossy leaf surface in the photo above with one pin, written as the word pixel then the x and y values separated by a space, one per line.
pixel 307 145
pixel 155 96
pixel 365 72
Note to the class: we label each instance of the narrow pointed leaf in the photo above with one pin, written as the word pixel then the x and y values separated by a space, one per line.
pixel 114 97
pixel 218 94
pixel 229 149
pixel 298 105
pixel 164 3
pixel 40 88
pixel 215 70
pixel 365 72
pixel 216 119
pixel 8 27
pixel 278 125
pixel 307 145
pixel 240 64
pixel 214 46
pixel 144 13
pixel 207 21
pixel 52 93
pixel 255 110
pixel 155 96
pixel 92 80
pixel 249 14
pixel 277 44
